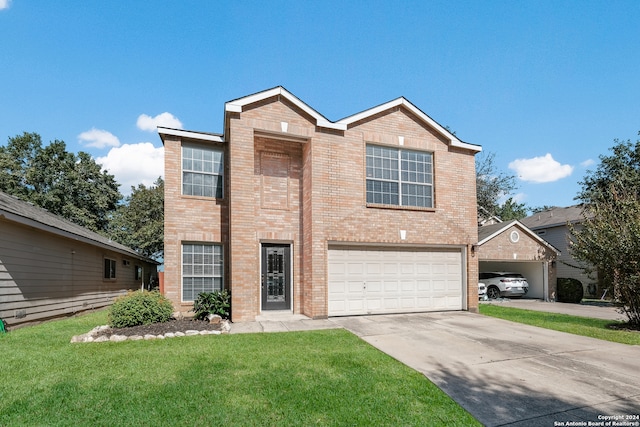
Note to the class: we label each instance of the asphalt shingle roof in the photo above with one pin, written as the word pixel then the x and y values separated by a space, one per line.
pixel 43 219
pixel 553 217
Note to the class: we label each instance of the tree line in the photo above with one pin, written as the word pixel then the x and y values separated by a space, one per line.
pixel 76 188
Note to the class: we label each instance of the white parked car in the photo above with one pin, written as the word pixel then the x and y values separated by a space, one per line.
pixel 482 291
pixel 504 284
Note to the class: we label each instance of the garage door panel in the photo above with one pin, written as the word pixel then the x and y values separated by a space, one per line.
pixel 390 269
pixel 394 281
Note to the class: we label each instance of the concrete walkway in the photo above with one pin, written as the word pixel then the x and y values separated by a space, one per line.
pixel 282 321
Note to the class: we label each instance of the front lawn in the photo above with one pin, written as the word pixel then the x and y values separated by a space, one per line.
pixel 327 377
pixel 586 326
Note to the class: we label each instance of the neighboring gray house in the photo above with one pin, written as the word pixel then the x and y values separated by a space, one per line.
pixel 551 225
pixel 50 267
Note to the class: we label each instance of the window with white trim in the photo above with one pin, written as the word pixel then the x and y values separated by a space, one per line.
pixel 202 171
pixel 109 269
pixel 399 177
pixel 201 269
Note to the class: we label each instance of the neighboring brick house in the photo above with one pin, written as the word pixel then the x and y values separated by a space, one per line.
pixel 511 246
pixel 375 213
pixel 553 226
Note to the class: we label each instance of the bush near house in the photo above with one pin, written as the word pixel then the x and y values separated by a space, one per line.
pixel 218 302
pixel 569 290
pixel 140 308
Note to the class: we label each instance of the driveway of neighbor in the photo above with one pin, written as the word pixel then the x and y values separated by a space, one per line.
pixel 506 373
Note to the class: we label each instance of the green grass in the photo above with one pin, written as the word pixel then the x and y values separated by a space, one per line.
pixel 310 378
pixel 588 327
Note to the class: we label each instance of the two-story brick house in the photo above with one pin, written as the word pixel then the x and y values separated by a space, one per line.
pixel 375 213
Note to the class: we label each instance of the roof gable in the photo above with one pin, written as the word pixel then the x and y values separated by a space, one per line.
pixel 424 118
pixel 488 232
pixel 240 104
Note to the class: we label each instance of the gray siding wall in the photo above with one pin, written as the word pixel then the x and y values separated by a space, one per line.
pixel 559 237
pixel 43 275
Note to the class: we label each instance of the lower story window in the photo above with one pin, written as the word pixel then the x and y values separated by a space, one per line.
pixel 201 269
pixel 109 268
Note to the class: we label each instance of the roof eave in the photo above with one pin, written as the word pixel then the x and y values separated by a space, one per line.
pixel 19 219
pixel 402 101
pixel 190 134
pixel 237 106
pixel 523 227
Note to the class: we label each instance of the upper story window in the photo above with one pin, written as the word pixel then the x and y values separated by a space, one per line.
pixel 399 177
pixel 202 171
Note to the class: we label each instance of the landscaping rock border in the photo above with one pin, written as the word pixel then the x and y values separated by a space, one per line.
pixel 100 334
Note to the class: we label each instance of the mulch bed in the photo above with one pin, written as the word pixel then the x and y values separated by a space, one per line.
pixel 625 327
pixel 162 328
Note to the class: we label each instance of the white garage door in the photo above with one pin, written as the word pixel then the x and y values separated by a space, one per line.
pixel 371 281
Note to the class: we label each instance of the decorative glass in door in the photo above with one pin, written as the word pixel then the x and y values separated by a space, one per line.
pixel 275 277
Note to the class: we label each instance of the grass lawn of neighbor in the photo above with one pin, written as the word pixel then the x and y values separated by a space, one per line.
pixel 588 327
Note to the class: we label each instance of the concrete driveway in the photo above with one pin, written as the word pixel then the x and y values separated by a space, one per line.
pixel 506 373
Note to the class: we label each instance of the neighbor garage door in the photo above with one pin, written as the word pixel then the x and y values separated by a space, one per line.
pixel 377 280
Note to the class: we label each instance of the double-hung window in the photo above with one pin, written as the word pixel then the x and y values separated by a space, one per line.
pixel 109 269
pixel 399 177
pixel 202 171
pixel 201 269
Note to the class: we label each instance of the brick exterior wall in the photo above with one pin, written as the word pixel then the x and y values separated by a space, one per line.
pixel 526 249
pixel 305 186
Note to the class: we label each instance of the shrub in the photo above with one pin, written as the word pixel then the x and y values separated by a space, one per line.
pixel 140 308
pixel 218 302
pixel 570 290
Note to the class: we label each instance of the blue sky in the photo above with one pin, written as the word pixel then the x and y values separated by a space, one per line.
pixel 545 85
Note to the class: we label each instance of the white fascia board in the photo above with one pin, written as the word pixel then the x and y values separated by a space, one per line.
pixel 370 112
pixel 497 232
pixel 526 230
pixel 323 123
pixel 238 105
pixel 415 110
pixel 191 134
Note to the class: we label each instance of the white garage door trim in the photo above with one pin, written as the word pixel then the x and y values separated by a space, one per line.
pixel 367 280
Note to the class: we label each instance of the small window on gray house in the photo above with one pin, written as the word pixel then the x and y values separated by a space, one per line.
pixel 138 273
pixel 109 268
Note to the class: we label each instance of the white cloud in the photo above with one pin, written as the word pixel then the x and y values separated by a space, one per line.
pixel 151 124
pixel 98 138
pixel 4 4
pixel 587 163
pixel 540 169
pixel 134 164
pixel 517 198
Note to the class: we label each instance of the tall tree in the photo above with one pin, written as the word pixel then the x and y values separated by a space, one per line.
pixel 139 222
pixel 492 185
pixel 607 238
pixel 69 185
pixel 511 209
